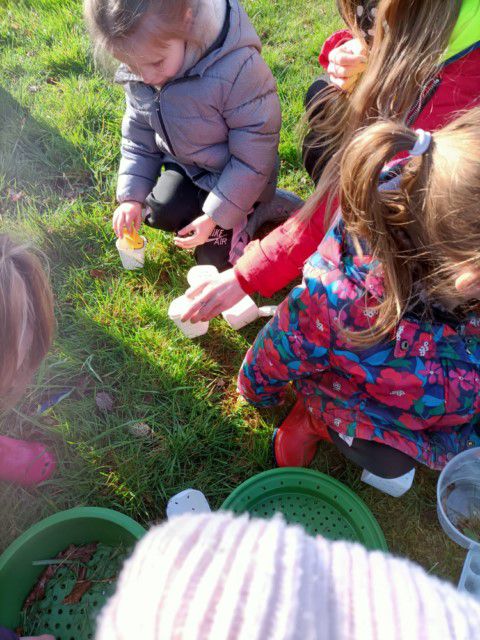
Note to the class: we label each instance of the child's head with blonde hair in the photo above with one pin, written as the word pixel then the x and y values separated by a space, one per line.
pixel 113 22
pixel 149 36
pixel 26 317
pixel 426 230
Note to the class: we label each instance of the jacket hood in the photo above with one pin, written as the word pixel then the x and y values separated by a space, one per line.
pixel 237 32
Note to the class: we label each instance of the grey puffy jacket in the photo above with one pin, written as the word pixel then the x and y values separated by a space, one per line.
pixel 220 121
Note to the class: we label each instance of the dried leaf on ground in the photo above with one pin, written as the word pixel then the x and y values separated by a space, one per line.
pixel 104 401
pixel 79 590
pixel 15 196
pixel 98 274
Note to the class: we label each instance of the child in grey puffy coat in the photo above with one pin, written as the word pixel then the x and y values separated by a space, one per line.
pixel 201 127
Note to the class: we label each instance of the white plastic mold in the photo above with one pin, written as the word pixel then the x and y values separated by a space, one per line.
pixel 188 501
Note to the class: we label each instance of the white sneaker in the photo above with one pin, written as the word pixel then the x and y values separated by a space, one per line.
pixel 283 205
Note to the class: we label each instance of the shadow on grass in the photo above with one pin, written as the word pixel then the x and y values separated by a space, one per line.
pixel 33 155
pixel 110 458
pixel 155 377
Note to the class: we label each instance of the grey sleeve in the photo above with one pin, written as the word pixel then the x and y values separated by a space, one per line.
pixel 253 116
pixel 141 159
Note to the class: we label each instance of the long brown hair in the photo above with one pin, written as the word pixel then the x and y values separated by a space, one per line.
pixel 408 40
pixel 26 317
pixel 425 231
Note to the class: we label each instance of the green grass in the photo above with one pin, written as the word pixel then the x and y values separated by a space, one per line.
pixel 59 143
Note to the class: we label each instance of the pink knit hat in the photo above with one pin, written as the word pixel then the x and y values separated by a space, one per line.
pixel 220 577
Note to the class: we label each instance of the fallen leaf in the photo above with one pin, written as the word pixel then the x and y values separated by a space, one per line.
pixel 104 401
pixel 79 590
pixel 99 274
pixel 15 196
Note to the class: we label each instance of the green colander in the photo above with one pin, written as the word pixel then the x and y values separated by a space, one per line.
pixel 319 503
pixel 18 574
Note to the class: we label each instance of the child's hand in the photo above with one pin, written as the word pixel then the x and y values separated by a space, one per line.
pixel 467 283
pixel 214 296
pixel 346 63
pixel 128 214
pixel 200 228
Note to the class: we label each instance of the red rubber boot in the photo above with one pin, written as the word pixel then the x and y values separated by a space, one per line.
pixel 296 439
pixel 25 463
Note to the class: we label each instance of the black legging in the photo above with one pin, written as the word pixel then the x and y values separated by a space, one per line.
pixel 312 152
pixel 377 458
pixel 175 201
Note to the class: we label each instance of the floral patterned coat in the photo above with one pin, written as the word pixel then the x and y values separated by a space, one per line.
pixel 418 392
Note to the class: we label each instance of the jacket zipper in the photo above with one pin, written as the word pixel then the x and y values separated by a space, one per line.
pixel 422 100
pixel 159 109
pixel 164 128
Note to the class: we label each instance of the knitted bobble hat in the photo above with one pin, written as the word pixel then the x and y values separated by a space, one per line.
pixel 222 577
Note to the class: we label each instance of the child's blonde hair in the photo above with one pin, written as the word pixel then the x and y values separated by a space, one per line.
pixel 408 41
pixel 26 317
pixel 426 231
pixel 112 22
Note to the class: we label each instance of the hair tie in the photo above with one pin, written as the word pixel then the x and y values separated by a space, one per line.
pixel 422 144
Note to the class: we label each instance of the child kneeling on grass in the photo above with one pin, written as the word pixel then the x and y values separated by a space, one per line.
pixel 382 338
pixel 27 323
pixel 201 127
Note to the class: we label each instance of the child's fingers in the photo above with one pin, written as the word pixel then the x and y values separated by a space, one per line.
pixel 344 84
pixel 343 59
pixel 338 72
pixel 192 311
pixel 193 292
pixel 204 308
pixel 208 312
pixel 131 222
pixel 118 225
pixel 190 242
pixel 186 230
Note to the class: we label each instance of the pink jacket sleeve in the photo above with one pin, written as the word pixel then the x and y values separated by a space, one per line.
pixel 270 264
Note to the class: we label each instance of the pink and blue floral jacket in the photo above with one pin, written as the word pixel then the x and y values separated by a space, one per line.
pixel 418 392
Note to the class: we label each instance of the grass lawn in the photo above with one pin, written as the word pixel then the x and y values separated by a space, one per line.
pixel 59 149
